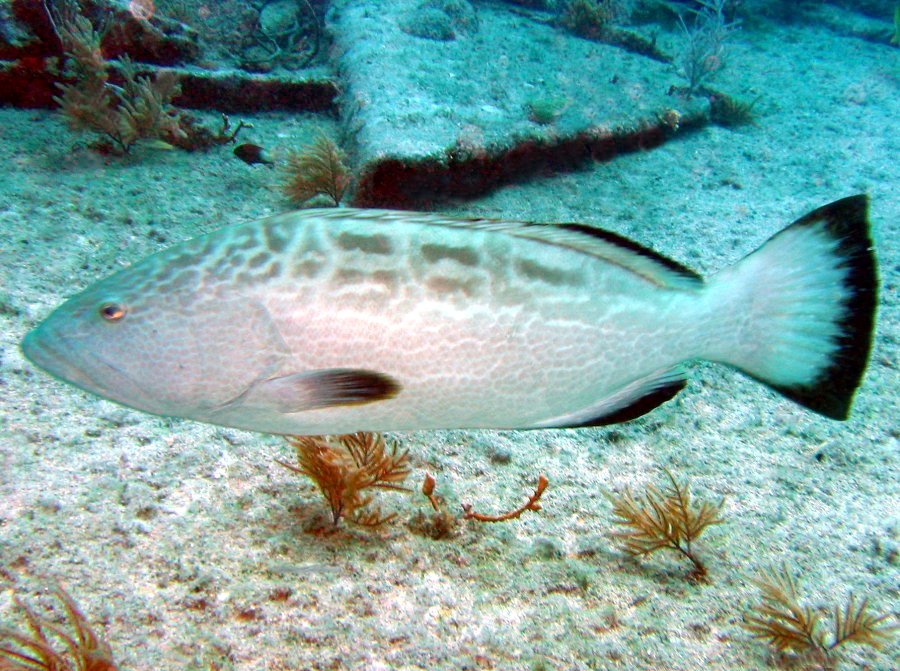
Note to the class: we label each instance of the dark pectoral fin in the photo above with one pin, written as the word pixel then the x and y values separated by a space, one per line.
pixel 322 389
pixel 351 387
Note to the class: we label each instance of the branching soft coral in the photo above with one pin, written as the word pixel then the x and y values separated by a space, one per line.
pixel 787 625
pixel 317 169
pixel 342 467
pixel 80 650
pixel 664 518
pixel 140 108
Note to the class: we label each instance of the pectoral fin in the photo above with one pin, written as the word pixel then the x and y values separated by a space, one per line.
pixel 312 390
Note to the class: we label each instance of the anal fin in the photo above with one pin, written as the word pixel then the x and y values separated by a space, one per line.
pixel 630 402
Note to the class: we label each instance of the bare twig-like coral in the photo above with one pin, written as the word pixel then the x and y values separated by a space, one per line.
pixel 317 168
pixel 82 650
pixel 342 467
pixel 442 524
pixel 787 625
pixel 533 503
pixel 704 52
pixel 664 519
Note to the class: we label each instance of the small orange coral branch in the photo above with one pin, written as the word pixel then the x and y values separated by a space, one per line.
pixel 428 485
pixel 531 504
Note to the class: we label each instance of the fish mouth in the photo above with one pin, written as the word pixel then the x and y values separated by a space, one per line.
pixel 53 353
pixel 62 358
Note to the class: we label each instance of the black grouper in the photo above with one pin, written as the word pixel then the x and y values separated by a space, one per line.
pixel 341 320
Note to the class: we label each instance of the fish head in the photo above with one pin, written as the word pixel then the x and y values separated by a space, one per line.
pixel 150 337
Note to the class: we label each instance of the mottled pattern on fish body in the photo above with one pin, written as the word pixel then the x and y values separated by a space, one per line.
pixel 331 321
pixel 462 319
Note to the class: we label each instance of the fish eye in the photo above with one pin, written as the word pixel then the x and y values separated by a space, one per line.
pixel 112 312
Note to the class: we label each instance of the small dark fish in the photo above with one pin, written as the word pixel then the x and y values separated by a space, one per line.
pixel 253 154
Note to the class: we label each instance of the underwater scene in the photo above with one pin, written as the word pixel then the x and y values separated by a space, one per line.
pixel 449 334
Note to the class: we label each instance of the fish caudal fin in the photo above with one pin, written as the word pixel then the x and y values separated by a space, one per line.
pixel 799 311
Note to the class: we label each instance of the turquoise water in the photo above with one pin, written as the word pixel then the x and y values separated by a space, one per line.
pixel 187 546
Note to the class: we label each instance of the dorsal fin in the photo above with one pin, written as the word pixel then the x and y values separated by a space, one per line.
pixel 682 272
pixel 596 242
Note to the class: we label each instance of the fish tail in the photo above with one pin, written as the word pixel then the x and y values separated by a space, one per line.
pixel 800 311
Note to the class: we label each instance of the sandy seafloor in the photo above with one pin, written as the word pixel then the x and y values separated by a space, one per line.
pixel 185 543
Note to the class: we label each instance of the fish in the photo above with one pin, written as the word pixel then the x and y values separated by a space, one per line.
pixel 251 154
pixel 159 145
pixel 337 320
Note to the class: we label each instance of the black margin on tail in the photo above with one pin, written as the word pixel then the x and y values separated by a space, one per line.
pixel 847 220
